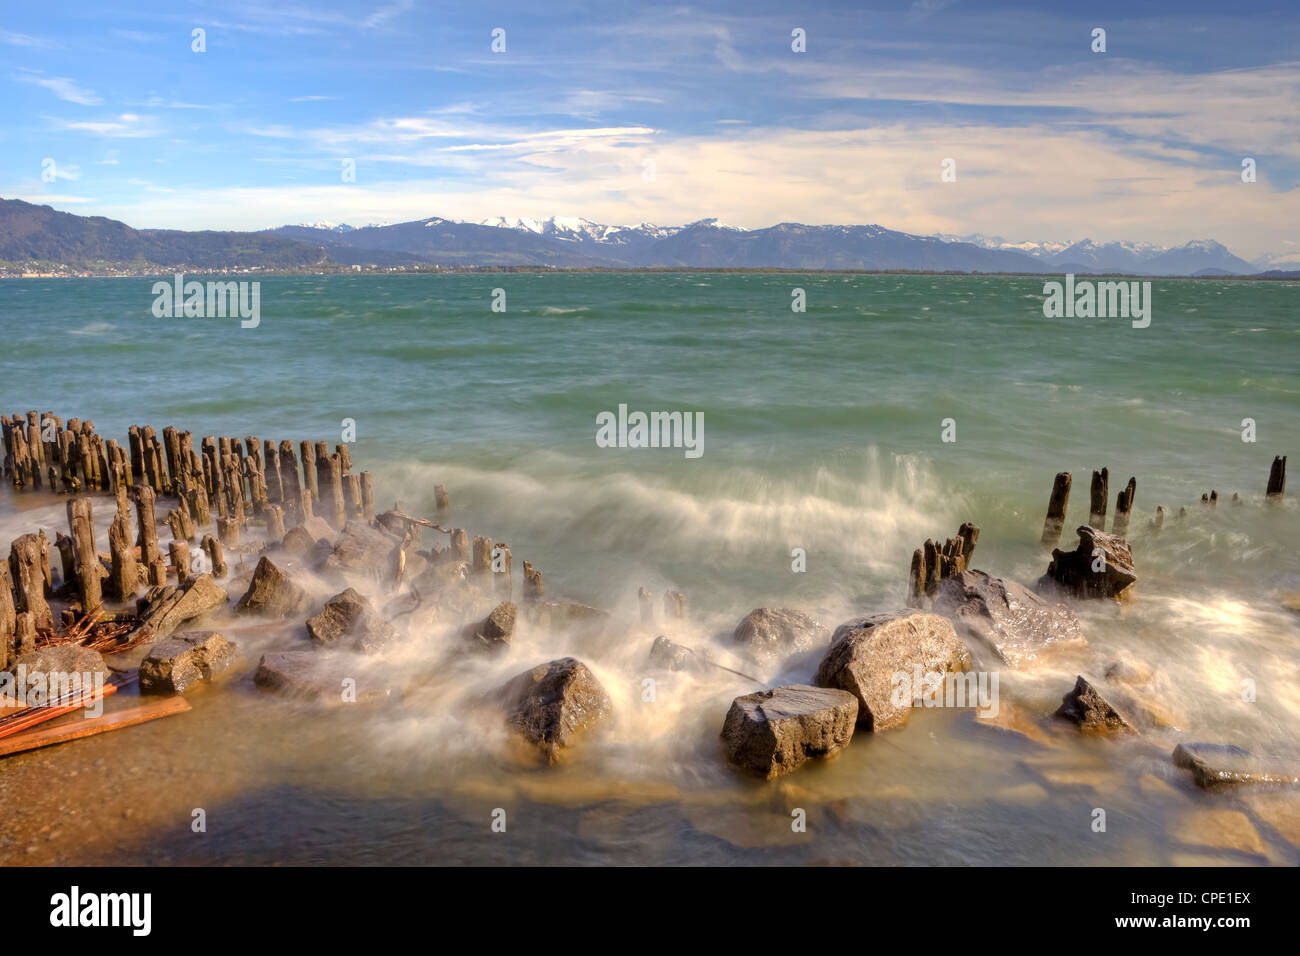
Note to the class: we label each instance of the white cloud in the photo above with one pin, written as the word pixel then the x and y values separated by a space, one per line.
pixel 62 87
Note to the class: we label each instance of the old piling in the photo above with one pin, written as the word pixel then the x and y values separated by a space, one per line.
pixel 1123 506
pixel 440 499
pixel 501 562
pixel 481 563
pixel 645 600
pixel 7 616
pixel 275 522
pixel 81 523
pixel 367 497
pixel 1276 479
pixel 1056 506
pixel 674 605
pixel 228 530
pixel 148 537
pixel 179 554
pixel 124 575
pixel 533 588
pixel 460 545
pixel 309 473
pixel 212 547
pixel 1100 492
pixel 29 564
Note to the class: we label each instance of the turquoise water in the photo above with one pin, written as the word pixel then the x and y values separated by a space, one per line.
pixel 822 431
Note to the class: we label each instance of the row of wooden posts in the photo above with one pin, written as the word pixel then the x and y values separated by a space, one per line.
pixel 1099 495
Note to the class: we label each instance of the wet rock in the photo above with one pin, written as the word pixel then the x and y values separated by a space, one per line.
pixel 553 704
pixel 271 593
pixel 772 732
pixel 866 653
pixel 318 529
pixel 348 619
pixel 181 661
pixel 298 543
pixel 664 653
pixel 165 609
pixel 62 659
pixel 1219 766
pixel 1084 706
pixel 769 631
pixel 1018 625
pixel 1100 567
pixel 493 633
pixel 321 677
pixel 561 614
pixel 364 550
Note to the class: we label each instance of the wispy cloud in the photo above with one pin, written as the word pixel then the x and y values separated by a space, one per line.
pixel 61 86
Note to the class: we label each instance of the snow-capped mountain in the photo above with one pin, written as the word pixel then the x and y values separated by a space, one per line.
pixel 572 241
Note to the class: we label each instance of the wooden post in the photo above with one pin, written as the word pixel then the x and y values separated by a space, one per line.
pixel 228 529
pixel 29 563
pixel 179 553
pixel 482 560
pixel 441 501
pixel 213 549
pixel 271 473
pixel 459 545
pixel 933 573
pixel 309 474
pixel 1159 521
pixel 916 579
pixel 645 600
pixel 275 522
pixel 533 589
pixel 1100 494
pixel 352 497
pixel 148 539
pixel 198 505
pixel 7 619
pixel 367 497
pixel 81 523
pixel 674 605
pixel 1056 506
pixel 1276 479
pixel 25 624
pixel 291 489
pixel 124 576
pixel 1123 505
pixel 501 561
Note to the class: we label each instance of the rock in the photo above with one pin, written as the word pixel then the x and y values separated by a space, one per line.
pixel 177 663
pixel 271 593
pixel 62 659
pixel 1018 625
pixel 349 619
pixel 493 633
pixel 1086 707
pixel 768 631
pixel 772 732
pixel 1218 766
pixel 1125 671
pixel 866 653
pixel 553 704
pixel 167 608
pixel 561 614
pixel 298 543
pixel 1073 570
pixel 318 529
pixel 365 550
pixel 316 676
pixel 664 653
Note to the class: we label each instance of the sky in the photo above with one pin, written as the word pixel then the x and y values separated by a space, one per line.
pixel 664 113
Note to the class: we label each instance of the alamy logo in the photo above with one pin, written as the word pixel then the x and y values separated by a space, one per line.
pixel 103 909
pixel 212 300
pixel 978 689
pixel 1087 299
pixel 24 688
pixel 651 430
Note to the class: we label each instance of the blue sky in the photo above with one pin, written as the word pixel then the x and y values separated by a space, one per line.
pixel 663 113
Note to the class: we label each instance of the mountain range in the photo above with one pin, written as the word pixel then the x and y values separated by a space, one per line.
pixel 32 235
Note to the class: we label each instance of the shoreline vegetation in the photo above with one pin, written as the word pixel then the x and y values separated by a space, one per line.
pixel 54 271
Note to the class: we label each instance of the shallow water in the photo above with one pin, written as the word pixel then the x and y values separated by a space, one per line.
pixel 822 432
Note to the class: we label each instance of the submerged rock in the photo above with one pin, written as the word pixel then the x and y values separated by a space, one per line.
pixel 364 550
pixel 772 732
pixel 1018 625
pixel 272 593
pixel 866 653
pixel 768 631
pixel 493 633
pixel 165 609
pixel 668 655
pixel 1084 706
pixel 1100 567
pixel 316 676
pixel 349 619
pixel 554 703
pixel 1218 766
pixel 181 661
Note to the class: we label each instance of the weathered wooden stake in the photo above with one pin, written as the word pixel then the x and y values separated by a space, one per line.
pixel 1123 506
pixel 29 563
pixel 533 589
pixel 124 575
pixel 179 554
pixel 645 599
pixel 275 522
pixel 440 499
pixel 1100 494
pixel 81 522
pixel 213 549
pixel 674 605
pixel 1276 479
pixel 1056 506
pixel 367 497
pixel 481 562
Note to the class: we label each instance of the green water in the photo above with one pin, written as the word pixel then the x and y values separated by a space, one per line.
pixel 822 431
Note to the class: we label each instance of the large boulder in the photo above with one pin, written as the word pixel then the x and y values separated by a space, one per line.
pixel 348 619
pixel 364 550
pixel 493 633
pixel 553 704
pixel 271 593
pixel 1219 766
pixel 1100 567
pixel 165 609
pixel 320 677
pixel 772 732
pixel 866 653
pixel 174 665
pixel 1018 625
pixel 669 655
pixel 773 631
pixel 1089 711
